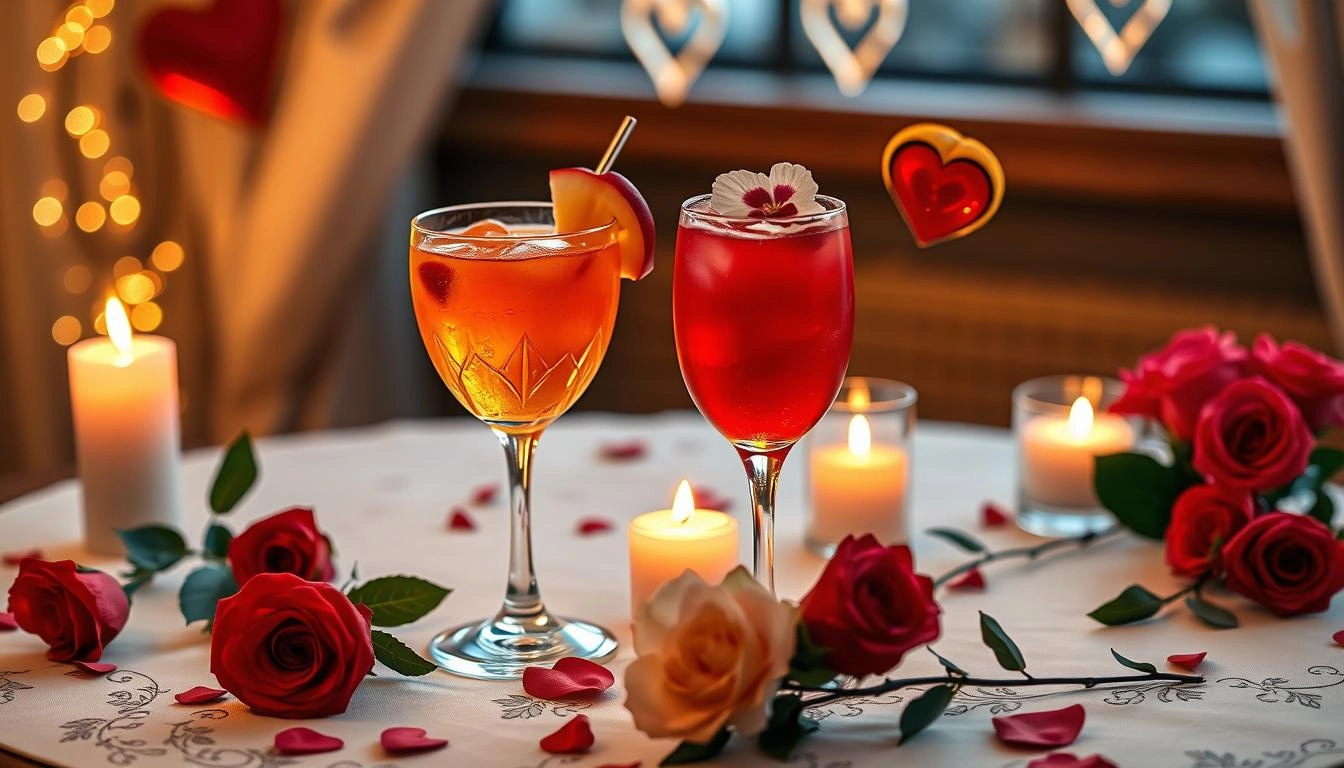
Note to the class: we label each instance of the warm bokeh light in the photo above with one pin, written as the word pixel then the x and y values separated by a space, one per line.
pixel 56 230
pixel 90 217
pixel 81 120
pixel 66 330
pixel 135 289
pixel 56 188
pixel 100 8
pixel 859 398
pixel 1080 419
pixel 118 329
pixel 167 256
pixel 97 39
pixel 155 278
pixel 95 143
pixel 32 107
pixel 860 436
pixel 79 15
pixel 146 317
pixel 47 211
pixel 100 324
pixel 125 210
pixel 119 163
pixel 683 503
pixel 126 265
pixel 114 185
pixel 70 34
pixel 78 279
pixel 51 54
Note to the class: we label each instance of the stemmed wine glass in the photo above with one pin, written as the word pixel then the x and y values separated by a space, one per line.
pixel 763 313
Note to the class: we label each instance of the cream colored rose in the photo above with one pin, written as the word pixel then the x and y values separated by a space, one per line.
pixel 708 656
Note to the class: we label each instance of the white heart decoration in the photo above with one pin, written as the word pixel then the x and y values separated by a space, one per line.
pixel 853 68
pixel 1119 47
pixel 673 75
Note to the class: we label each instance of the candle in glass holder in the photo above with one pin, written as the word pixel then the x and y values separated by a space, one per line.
pixel 667 542
pixel 1058 453
pixel 123 396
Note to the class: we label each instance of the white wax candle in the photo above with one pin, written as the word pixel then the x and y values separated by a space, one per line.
pixel 124 402
pixel 667 542
pixel 1056 454
pixel 858 488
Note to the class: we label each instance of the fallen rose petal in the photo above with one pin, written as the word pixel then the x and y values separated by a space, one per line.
pixel 706 498
pixel 1053 728
pixel 402 740
pixel 305 741
pixel 635 764
pixel 14 558
pixel 200 695
pixel 461 521
pixel 95 667
pixel 7 622
pixel 627 451
pixel 972 579
pixel 569 677
pixel 1187 660
pixel 1338 637
pixel 1066 760
pixel 573 737
pixel 591 525
pixel 484 495
pixel 993 516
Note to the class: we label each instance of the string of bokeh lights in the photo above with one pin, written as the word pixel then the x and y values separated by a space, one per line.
pixel 135 281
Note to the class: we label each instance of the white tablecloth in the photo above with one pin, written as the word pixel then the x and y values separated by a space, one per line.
pixel 1275 690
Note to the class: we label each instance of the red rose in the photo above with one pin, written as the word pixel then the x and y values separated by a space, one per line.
pixel 869 607
pixel 1314 381
pixel 1173 383
pixel 1251 437
pixel 287 647
pixel 286 542
pixel 1202 520
pixel 76 613
pixel 1288 563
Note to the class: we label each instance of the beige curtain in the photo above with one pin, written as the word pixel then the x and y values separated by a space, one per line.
pixel 276 308
pixel 1302 40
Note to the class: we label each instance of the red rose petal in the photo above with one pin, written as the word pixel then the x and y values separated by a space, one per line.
pixel 95 667
pixel 993 516
pixel 569 677
pixel 627 451
pixel 635 764
pixel 972 579
pixel 305 741
pixel 1338 637
pixel 14 558
pixel 573 737
pixel 461 521
pixel 1066 760
pixel 1055 728
pixel 200 695
pixel 485 494
pixel 706 498
pixel 591 525
pixel 403 740
pixel 7 622
pixel 1187 660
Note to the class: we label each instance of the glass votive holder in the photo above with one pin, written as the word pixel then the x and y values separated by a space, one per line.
pixel 1061 425
pixel 858 464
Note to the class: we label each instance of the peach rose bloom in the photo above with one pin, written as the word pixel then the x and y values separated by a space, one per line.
pixel 708 657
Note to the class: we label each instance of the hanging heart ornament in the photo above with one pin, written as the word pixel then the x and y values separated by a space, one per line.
pixel 945 185
pixel 853 68
pixel 673 74
pixel 1118 47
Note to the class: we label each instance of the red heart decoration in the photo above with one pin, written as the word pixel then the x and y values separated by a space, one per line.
pixel 572 738
pixel 305 741
pixel 944 184
pixel 221 59
pixel 200 695
pixel 1055 728
pixel 403 740
pixel 570 676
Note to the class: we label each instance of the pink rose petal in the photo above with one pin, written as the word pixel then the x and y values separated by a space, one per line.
pixel 485 494
pixel 1066 760
pixel 993 516
pixel 573 737
pixel 95 667
pixel 461 521
pixel 1338 637
pixel 1054 728
pixel 569 677
pixel 305 741
pixel 200 695
pixel 402 740
pixel 591 525
pixel 1188 661
pixel 706 498
pixel 627 451
pixel 972 579
pixel 7 622
pixel 14 558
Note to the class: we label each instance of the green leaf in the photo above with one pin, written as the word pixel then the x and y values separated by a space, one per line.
pixel 398 657
pixel 235 476
pixel 1137 666
pixel 1005 650
pixel 204 587
pixel 1215 616
pixel 217 539
pixel 139 579
pixel 808 665
pixel 1138 491
pixel 1324 508
pixel 690 752
pixel 925 711
pixel 397 600
pixel 959 538
pixel 787 727
pixel 948 665
pixel 153 548
pixel 1327 462
pixel 1133 604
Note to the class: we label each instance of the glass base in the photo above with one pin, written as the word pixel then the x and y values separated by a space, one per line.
pixel 1061 522
pixel 497 649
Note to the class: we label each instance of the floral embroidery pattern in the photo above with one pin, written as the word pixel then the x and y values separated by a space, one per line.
pixel 194 742
pixel 1303 755
pixel 9 686
pixel 114 734
pixel 1275 690
pixel 520 707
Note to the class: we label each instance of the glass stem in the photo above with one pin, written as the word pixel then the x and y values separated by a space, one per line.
pixel 763 472
pixel 522 599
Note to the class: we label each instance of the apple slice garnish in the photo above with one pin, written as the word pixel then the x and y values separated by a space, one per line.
pixel 584 199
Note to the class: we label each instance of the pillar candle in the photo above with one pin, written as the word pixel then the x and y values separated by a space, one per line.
pixel 858 488
pixel 667 542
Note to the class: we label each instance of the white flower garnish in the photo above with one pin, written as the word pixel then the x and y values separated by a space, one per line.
pixel 787 192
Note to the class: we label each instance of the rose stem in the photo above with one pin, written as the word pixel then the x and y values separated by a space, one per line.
pixel 1031 553
pixel 887 686
pixel 614 148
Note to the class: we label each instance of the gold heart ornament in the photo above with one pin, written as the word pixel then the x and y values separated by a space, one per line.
pixel 1118 47
pixel 853 68
pixel 673 74
pixel 945 185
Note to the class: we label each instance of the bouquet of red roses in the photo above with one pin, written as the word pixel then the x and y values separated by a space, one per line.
pixel 1242 500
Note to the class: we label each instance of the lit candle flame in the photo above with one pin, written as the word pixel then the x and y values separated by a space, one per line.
pixel 1080 419
pixel 859 397
pixel 860 436
pixel 118 329
pixel 683 504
